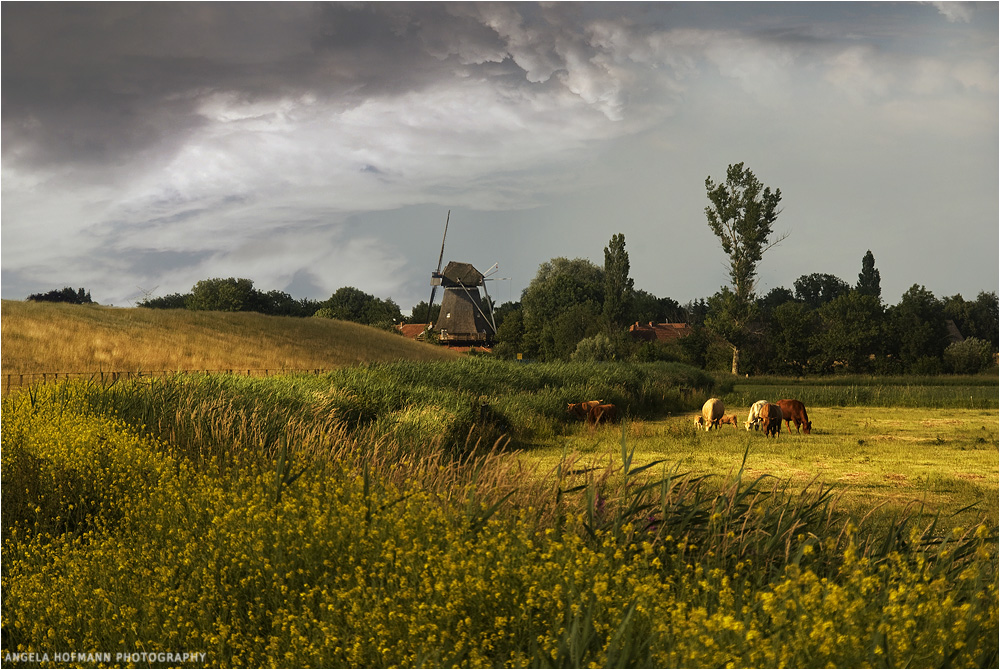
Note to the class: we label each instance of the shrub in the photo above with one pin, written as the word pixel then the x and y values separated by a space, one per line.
pixel 968 357
pixel 926 365
pixel 67 294
pixel 596 348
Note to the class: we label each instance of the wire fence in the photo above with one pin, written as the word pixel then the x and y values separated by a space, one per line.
pixel 21 379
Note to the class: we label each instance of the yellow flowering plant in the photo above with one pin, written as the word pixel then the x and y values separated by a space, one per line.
pixel 115 541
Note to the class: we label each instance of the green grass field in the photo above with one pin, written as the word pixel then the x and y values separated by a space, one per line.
pixel 900 457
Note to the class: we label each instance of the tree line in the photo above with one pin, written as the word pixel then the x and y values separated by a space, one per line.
pixel 575 309
pixel 824 325
pixel 239 295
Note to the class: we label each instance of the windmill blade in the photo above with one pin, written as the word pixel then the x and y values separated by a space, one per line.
pixel 430 303
pixel 443 238
pixel 489 301
pixel 493 269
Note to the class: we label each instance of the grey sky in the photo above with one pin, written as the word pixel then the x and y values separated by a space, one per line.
pixel 313 146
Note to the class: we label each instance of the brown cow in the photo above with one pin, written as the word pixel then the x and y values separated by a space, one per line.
pixel 607 413
pixel 793 410
pixel 770 415
pixel 731 420
pixel 581 410
pixel 712 411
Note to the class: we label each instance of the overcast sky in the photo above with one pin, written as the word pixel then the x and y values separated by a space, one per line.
pixel 313 146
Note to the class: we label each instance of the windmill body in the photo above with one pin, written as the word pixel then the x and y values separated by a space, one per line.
pixel 462 319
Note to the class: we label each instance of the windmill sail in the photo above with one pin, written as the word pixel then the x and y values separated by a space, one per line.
pixel 430 303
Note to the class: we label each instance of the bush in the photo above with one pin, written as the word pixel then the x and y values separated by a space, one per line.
pixel 78 297
pixel 596 348
pixel 968 357
pixel 926 365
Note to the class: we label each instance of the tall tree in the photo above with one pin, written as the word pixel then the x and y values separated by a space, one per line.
pixel 561 306
pixel 618 286
pixel 222 295
pixel 817 289
pixel 793 325
pixel 850 333
pixel 974 318
pixel 870 280
pixel 919 329
pixel 741 214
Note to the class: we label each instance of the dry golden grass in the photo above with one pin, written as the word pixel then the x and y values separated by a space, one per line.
pixel 58 337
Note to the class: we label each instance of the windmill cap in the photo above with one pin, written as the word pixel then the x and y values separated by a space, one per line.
pixel 462 273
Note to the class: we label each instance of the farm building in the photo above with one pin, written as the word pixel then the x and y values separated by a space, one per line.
pixel 658 332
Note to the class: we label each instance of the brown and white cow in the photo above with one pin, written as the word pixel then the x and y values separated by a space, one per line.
pixel 770 415
pixel 793 410
pixel 753 418
pixel 712 412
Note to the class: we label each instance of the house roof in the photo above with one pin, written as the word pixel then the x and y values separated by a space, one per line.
pixel 412 330
pixel 659 332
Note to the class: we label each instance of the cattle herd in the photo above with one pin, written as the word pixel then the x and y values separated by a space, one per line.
pixel 764 415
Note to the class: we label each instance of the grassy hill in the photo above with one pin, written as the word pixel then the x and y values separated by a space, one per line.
pixel 59 337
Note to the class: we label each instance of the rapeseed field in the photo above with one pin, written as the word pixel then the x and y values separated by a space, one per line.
pixel 116 542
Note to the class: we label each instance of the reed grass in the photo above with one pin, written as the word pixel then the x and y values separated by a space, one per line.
pixel 945 391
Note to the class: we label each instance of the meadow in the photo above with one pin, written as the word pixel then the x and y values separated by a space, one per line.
pixel 41 337
pixel 365 518
pixel 402 514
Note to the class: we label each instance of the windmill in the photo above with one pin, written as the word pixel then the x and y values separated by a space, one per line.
pixel 462 319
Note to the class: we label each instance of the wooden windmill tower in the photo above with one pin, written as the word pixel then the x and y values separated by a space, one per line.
pixel 462 319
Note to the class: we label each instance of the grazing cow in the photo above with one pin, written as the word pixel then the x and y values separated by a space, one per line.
pixel 732 420
pixel 753 419
pixel 581 410
pixel 606 413
pixel 770 415
pixel 712 411
pixel 793 410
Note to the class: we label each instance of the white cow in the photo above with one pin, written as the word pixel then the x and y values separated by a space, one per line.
pixel 753 419
pixel 712 412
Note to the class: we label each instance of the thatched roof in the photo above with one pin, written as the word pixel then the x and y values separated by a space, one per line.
pixel 461 274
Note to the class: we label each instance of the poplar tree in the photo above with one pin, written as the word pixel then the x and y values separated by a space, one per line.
pixel 618 286
pixel 741 214
pixel 869 281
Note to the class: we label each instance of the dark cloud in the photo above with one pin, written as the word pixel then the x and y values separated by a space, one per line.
pixel 243 139
pixel 95 82
pixel 102 82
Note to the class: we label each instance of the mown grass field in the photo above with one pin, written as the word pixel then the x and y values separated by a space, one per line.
pixel 452 514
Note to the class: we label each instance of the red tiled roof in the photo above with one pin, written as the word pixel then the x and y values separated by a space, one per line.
pixel 412 330
pixel 659 332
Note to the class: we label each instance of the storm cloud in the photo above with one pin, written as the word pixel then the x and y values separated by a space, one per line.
pixel 313 146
